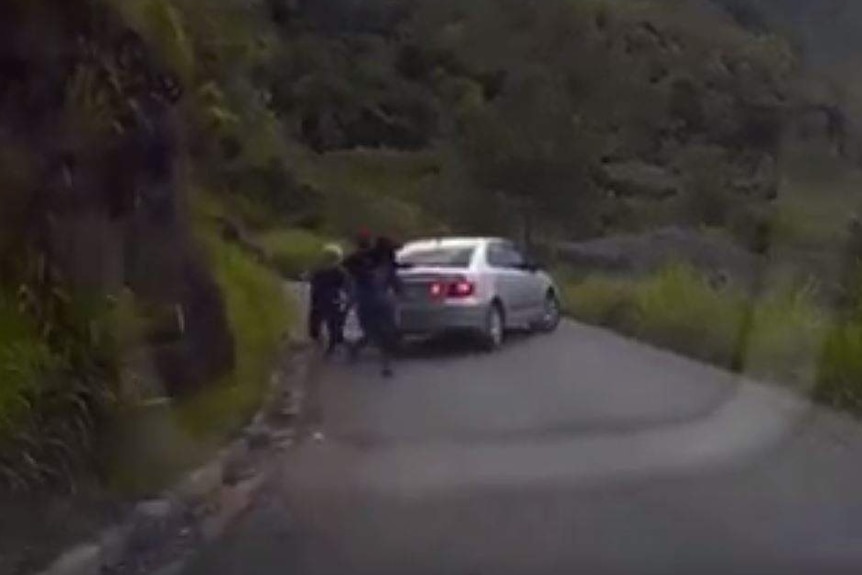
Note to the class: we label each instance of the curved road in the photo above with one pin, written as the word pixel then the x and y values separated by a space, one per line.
pixel 580 452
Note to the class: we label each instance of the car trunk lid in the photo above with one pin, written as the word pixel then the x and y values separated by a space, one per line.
pixel 426 285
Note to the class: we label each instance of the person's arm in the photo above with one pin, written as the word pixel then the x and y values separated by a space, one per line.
pixel 313 320
pixel 395 282
pixel 347 287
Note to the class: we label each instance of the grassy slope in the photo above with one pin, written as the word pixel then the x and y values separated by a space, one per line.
pixel 260 316
pixel 24 358
pixel 785 335
pixel 382 190
pixel 817 194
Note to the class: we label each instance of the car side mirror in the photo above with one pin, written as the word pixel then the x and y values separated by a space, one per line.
pixel 530 266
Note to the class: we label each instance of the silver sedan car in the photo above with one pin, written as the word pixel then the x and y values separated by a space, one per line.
pixel 479 285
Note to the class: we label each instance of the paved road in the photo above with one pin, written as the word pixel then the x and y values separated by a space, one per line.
pixel 580 452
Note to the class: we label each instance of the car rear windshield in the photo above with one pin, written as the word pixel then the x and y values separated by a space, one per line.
pixel 440 257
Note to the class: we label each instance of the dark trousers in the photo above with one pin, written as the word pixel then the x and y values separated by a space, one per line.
pixel 377 320
pixel 331 317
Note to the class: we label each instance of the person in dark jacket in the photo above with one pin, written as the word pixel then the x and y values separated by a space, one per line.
pixel 330 288
pixel 373 270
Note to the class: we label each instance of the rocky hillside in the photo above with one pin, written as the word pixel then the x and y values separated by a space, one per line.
pixel 107 292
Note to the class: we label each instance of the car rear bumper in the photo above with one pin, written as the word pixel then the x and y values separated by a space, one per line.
pixel 433 319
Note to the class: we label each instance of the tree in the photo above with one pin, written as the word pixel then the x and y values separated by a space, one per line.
pixel 530 151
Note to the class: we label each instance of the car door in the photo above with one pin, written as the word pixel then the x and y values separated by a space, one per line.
pixel 513 282
pixel 526 285
pixel 505 279
pixel 532 286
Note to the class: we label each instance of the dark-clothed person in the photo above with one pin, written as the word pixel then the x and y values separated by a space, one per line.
pixel 373 270
pixel 330 287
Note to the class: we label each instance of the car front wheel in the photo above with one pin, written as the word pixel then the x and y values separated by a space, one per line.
pixel 551 314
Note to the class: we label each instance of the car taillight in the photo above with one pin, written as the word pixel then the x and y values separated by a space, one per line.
pixel 461 288
pixel 437 289
pixel 453 289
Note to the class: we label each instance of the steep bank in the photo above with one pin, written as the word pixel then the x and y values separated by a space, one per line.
pixel 110 294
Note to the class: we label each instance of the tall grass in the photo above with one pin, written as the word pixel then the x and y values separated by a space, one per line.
pixel 784 335
pixel 602 301
pixel 788 329
pixel 676 308
pixel 680 310
pixel 840 368
pixel 58 375
pixel 24 360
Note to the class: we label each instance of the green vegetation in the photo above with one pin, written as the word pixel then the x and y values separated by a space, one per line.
pixel 161 440
pixel 24 360
pixel 676 309
pixel 260 314
pixel 292 252
pixel 550 121
pixel 785 335
pixel 840 368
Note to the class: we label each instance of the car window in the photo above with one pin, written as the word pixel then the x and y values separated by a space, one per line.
pixel 504 256
pixel 497 256
pixel 449 257
pixel 514 258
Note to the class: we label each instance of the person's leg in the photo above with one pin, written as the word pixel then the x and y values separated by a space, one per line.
pixel 378 338
pixel 314 321
pixel 335 326
pixel 365 317
pixel 386 338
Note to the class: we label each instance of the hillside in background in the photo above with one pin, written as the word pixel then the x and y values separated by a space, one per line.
pixel 646 113
pixel 827 31
pixel 156 153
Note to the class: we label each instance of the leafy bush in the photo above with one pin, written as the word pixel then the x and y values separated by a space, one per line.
pixel 292 251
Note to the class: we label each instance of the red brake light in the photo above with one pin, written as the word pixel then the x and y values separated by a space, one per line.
pixel 453 289
pixel 437 289
pixel 462 288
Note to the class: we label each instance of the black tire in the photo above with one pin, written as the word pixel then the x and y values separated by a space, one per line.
pixel 494 332
pixel 552 314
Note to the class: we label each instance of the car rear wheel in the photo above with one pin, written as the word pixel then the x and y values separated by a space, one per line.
pixel 494 331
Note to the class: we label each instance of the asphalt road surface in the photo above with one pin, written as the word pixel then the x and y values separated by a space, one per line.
pixel 579 452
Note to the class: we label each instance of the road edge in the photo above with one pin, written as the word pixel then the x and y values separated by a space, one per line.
pixel 161 534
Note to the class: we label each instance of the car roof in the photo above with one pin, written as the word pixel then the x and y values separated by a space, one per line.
pixel 449 242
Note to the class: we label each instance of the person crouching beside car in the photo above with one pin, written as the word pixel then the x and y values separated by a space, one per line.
pixel 330 287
